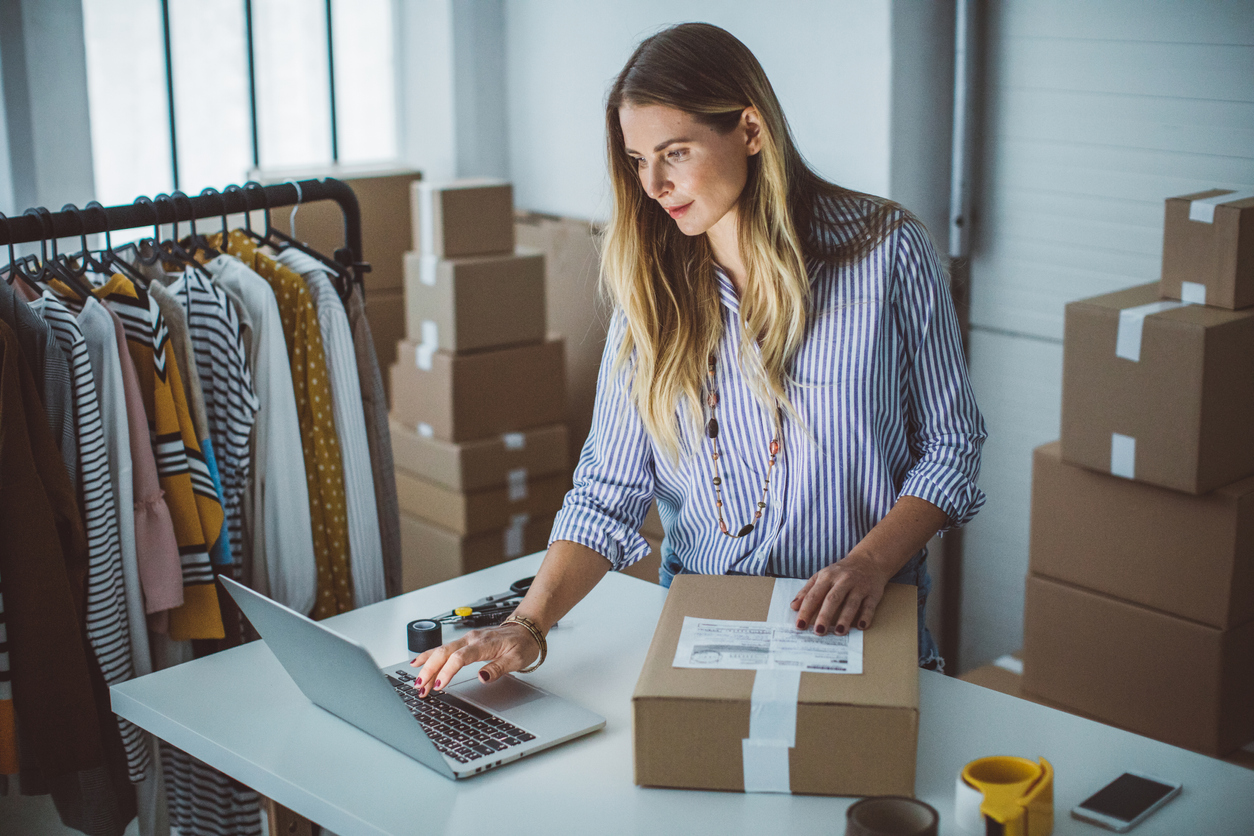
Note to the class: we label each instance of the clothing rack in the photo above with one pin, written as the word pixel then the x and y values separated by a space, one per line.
pixel 74 222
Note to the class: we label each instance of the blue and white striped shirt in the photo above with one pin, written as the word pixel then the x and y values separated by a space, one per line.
pixel 880 382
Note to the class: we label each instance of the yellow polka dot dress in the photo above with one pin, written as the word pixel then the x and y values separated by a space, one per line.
pixel 324 470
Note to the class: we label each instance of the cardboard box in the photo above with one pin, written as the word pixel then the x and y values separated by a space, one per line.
pixel 856 734
pixel 498 461
pixel 430 554
pixel 460 397
pixel 385 311
pixel 1165 677
pixel 1179 414
pixel 463 304
pixel 463 217
pixel 383 194
pixel 1191 556
pixel 572 269
pixel 480 511
pixel 1208 248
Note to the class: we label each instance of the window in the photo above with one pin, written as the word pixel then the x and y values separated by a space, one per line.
pixel 311 95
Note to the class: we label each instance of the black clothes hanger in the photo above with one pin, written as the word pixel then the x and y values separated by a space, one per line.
pixel 211 191
pixel 194 242
pixel 86 258
pixel 56 267
pixel 17 266
pixel 110 260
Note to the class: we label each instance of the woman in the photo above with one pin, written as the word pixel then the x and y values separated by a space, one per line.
pixel 783 369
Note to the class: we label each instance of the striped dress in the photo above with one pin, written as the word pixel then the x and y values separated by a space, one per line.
pixel 886 408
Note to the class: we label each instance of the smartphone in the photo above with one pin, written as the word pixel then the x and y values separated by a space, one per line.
pixel 1126 801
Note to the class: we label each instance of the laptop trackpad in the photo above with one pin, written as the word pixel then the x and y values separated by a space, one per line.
pixel 500 696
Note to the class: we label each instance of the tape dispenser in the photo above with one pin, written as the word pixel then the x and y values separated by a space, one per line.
pixel 1006 796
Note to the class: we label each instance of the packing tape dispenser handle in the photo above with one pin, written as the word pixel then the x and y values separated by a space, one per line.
pixel 1007 795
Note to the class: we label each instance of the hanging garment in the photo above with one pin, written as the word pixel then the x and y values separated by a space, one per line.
pixel 43 563
pixel 230 402
pixel 324 470
pixel 108 629
pixel 350 425
pixel 181 345
pixel 156 547
pixel 375 405
pixel 51 371
pixel 189 491
pixel 277 505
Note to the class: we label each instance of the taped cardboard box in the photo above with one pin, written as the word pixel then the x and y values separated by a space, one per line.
pixel 1159 391
pixel 572 268
pixel 1191 556
pixel 460 397
pixel 480 511
pixel 1208 248
pixel 474 302
pixel 383 196
pixel 431 554
pixel 1155 674
pixel 855 734
pixel 463 217
pixel 500 460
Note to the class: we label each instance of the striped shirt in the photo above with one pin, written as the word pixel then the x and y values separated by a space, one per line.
pixel 879 381
pixel 108 628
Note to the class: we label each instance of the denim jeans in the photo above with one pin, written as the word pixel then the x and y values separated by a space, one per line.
pixel 914 572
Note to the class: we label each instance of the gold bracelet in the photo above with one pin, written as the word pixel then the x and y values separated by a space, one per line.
pixel 530 627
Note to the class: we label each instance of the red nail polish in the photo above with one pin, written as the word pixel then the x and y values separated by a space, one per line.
pixel 861 625
pixel 820 629
pixel 840 630
pixel 437 683
pixel 483 675
pixel 801 625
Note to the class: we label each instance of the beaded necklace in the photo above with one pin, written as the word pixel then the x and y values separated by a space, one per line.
pixel 711 430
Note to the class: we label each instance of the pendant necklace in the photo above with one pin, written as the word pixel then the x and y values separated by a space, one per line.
pixel 711 430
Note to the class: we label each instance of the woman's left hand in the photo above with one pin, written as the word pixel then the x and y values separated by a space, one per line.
pixel 842 596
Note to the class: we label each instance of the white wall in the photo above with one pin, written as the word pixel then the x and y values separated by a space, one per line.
pixel 827 59
pixel 1097 112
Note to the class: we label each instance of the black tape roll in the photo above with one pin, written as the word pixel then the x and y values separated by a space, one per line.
pixel 424 634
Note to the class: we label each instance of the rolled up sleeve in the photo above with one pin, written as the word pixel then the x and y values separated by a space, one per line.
pixel 946 431
pixel 614 479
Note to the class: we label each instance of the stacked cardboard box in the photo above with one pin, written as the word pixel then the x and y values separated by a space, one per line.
pixel 1140 597
pixel 478 389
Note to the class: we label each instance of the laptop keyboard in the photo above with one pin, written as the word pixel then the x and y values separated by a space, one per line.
pixel 460 730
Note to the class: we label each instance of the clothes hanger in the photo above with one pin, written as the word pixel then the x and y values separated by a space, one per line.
pixel 85 258
pixel 194 242
pixel 212 192
pixel 17 266
pixel 249 187
pixel 171 246
pixel 148 250
pixel 110 258
pixel 57 267
pixel 340 276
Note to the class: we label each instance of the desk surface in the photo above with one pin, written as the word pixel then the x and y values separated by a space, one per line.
pixel 240 712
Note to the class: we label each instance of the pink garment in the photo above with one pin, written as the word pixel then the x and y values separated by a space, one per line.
pixel 156 549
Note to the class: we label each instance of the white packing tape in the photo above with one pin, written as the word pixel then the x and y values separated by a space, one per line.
pixel 1132 323
pixel 514 441
pixel 429 345
pixel 1122 455
pixel 428 269
pixel 773 708
pixel 1009 663
pixel 517 480
pixel 515 532
pixel 967 801
pixel 1193 292
pixel 425 430
pixel 1204 209
pixel 426 219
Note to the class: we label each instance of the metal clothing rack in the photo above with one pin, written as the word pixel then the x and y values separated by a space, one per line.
pixel 73 222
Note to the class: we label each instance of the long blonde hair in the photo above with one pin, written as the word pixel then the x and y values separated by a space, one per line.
pixel 664 282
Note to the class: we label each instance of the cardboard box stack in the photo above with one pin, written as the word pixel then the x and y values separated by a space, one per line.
pixel 478 389
pixel 1140 595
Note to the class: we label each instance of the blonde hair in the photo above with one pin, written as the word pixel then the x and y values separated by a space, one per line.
pixel 664 281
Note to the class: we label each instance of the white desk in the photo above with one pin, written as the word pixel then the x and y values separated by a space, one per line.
pixel 239 712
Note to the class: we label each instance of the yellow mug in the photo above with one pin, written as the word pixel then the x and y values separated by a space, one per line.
pixel 1016 793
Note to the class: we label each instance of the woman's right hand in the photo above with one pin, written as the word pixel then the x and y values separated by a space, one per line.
pixel 505 649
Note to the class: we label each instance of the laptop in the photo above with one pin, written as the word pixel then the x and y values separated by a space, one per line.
pixel 464 730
